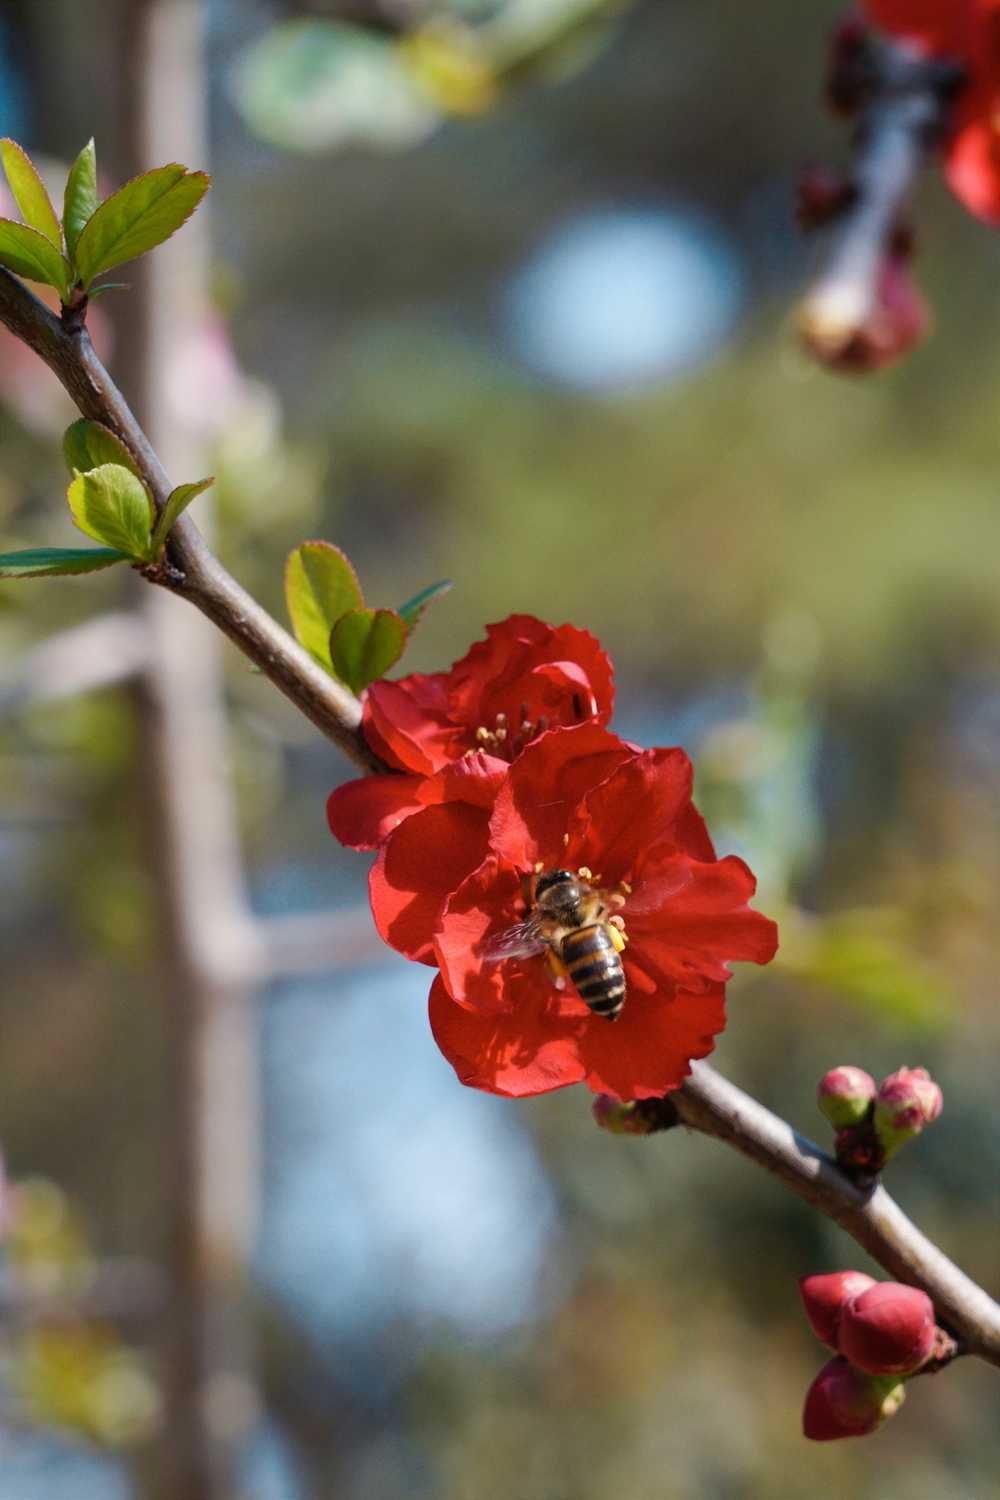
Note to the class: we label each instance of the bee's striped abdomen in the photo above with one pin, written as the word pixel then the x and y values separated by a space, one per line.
pixel 595 967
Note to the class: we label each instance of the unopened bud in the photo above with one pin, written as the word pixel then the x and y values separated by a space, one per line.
pixel 908 1100
pixel 825 1297
pixel 856 329
pixel 844 1402
pixel 640 1117
pixel 888 1330
pixel 845 1095
pixel 821 195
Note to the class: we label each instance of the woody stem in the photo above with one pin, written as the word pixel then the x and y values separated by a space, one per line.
pixel 709 1103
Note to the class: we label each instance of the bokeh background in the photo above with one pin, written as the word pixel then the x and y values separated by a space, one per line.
pixel 499 291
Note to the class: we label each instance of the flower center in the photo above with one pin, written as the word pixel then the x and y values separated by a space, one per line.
pixel 508 740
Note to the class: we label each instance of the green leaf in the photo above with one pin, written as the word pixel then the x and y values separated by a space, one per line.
pixel 110 504
pixel 29 191
pixel 320 586
pixel 411 611
pixel 30 254
pixel 87 445
pixel 141 215
pixel 53 562
pixel 177 503
pixel 80 201
pixel 364 643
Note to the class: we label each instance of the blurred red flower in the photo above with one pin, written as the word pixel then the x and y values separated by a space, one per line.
pixel 526 677
pixel 969 31
pixel 452 877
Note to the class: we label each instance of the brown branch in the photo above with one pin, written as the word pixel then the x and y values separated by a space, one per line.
pixel 709 1103
pixel 900 124
pixel 191 570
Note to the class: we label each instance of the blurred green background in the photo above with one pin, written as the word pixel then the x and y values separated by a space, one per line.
pixel 511 304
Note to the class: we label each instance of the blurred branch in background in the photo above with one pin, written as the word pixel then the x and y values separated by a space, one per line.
pixel 102 652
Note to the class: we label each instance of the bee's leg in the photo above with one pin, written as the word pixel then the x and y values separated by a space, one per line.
pixel 617 936
pixel 557 968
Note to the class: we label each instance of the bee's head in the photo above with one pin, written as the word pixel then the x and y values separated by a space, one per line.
pixel 555 889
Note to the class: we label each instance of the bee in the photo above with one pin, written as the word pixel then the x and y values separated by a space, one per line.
pixel 572 922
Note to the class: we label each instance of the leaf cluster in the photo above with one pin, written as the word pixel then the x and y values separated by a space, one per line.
pixel 349 640
pixel 93 236
pixel 110 502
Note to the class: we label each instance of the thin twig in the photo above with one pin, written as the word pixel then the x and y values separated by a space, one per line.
pixel 191 570
pixel 900 124
pixel 709 1103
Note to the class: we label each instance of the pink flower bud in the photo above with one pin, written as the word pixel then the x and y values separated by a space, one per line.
pixel 844 1402
pixel 825 1297
pixel 888 1330
pixel 844 1095
pixel 908 1100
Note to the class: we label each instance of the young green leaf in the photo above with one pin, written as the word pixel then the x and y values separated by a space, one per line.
pixel 80 201
pixel 177 503
pixel 364 644
pixel 30 254
pixel 411 611
pixel 29 191
pixel 110 504
pixel 87 445
pixel 141 215
pixel 54 562
pixel 320 586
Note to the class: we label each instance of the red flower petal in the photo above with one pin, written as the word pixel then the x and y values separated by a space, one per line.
pixel 937 25
pixel 544 788
pixel 527 1048
pixel 422 862
pixel 701 927
pixel 639 804
pixel 972 167
pixel 409 723
pixel 648 1050
pixel 487 902
pixel 513 667
pixel 362 813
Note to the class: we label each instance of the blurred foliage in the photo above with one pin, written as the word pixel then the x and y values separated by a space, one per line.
pixel 70 1372
pixel 795 575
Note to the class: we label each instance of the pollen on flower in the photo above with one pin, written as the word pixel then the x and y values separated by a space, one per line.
pixel 585 872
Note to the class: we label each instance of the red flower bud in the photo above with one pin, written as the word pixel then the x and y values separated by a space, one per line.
pixel 888 1330
pixel 640 1117
pixel 825 1297
pixel 908 1100
pixel 844 1095
pixel 844 1402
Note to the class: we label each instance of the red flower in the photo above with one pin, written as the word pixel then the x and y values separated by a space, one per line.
pixel 526 677
pixel 969 31
pixel 452 877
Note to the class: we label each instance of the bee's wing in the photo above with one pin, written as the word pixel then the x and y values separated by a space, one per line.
pixel 654 894
pixel 520 941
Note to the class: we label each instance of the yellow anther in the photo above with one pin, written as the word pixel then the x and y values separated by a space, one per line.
pixel 482 733
pixel 565 840
pixel 617 937
pixel 585 873
pixel 501 719
pixel 616 899
pixel 539 867
pixel 501 733
pixel 625 887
